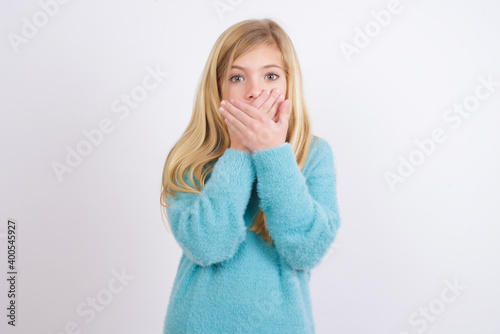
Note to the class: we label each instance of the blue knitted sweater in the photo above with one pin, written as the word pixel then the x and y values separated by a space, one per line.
pixel 229 280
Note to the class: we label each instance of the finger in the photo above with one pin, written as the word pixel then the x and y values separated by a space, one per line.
pixel 233 130
pixel 274 109
pixel 231 119
pixel 270 101
pixel 245 112
pixel 235 113
pixel 284 112
pixel 264 95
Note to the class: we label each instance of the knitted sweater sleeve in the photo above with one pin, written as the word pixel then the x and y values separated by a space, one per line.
pixel 301 211
pixel 209 226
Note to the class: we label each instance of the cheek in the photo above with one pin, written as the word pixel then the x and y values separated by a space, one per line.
pixel 283 87
pixel 226 92
pixel 235 92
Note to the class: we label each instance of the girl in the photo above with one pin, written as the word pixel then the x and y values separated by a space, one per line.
pixel 249 192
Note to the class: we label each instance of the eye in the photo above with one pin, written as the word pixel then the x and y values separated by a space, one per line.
pixel 273 74
pixel 235 76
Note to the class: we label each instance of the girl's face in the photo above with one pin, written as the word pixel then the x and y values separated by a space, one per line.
pixel 259 69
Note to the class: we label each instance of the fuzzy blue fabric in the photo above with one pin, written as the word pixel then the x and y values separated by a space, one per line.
pixel 229 280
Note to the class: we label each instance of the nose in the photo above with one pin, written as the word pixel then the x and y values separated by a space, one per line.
pixel 254 89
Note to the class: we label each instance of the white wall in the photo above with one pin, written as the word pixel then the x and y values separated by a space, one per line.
pixel 398 247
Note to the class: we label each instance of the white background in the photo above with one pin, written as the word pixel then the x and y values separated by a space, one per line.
pixel 396 248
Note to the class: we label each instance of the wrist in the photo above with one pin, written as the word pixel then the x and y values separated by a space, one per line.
pixel 240 148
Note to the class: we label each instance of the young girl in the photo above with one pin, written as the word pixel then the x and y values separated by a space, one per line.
pixel 249 192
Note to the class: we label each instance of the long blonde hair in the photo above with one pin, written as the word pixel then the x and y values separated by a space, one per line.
pixel 206 136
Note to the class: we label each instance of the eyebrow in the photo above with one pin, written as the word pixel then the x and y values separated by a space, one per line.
pixel 267 66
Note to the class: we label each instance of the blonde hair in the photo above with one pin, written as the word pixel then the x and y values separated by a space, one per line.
pixel 206 136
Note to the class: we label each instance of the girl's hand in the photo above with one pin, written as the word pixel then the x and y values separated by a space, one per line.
pixel 266 102
pixel 257 130
pixel 235 142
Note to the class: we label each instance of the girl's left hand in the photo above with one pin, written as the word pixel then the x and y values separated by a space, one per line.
pixel 255 129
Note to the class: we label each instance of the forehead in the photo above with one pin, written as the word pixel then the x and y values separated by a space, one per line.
pixel 259 56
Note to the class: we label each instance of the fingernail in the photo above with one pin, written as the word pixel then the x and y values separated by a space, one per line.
pixel 277 90
pixel 282 97
pixel 223 103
